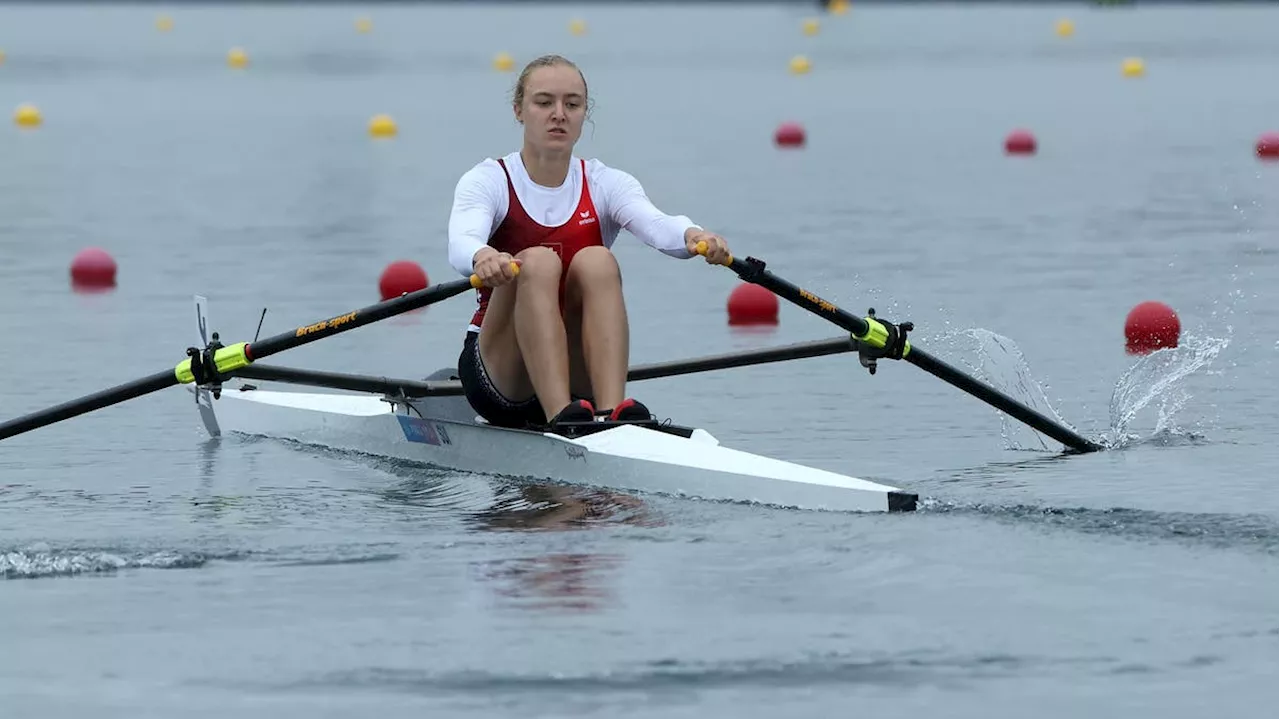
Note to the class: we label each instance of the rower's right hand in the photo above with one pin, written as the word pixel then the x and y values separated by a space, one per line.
pixel 496 269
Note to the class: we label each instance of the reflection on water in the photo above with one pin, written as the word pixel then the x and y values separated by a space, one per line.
pixel 550 581
pixel 557 581
pixel 574 582
pixel 482 502
pixel 1006 472
pixel 557 507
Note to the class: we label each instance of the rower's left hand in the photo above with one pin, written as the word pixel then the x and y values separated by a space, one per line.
pixel 717 248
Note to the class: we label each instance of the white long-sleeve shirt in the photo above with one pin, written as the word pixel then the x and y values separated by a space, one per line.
pixel 480 204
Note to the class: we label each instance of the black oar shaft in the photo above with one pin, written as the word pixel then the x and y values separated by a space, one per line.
pixel 443 388
pixel 352 382
pixel 89 403
pixel 238 356
pixel 800 297
pixel 357 318
pixel 999 400
pixel 799 350
pixel 752 270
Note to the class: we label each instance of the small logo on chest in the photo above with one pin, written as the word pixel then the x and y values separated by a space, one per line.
pixel 585 218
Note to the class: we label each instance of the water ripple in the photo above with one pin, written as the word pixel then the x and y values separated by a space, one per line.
pixel 673 674
pixel 1243 531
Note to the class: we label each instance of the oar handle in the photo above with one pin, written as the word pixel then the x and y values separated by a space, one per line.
pixel 477 283
pixel 701 248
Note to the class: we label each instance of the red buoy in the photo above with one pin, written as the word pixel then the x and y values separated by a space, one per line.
pixel 93 269
pixel 1020 142
pixel 400 277
pixel 1151 326
pixel 1268 147
pixel 789 134
pixel 751 304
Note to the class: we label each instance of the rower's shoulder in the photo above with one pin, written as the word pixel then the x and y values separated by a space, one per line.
pixel 602 174
pixel 487 174
pixel 484 168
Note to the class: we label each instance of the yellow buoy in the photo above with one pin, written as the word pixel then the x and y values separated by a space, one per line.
pixel 364 24
pixel 838 7
pixel 237 58
pixel 1133 67
pixel 1065 28
pixel 502 62
pixel 800 65
pixel 382 126
pixel 809 27
pixel 27 116
pixel 1 57
pixel 578 27
pixel 164 23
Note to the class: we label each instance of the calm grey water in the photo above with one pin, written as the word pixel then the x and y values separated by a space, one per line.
pixel 153 572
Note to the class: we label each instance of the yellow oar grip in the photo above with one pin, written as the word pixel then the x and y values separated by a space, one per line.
pixel 701 248
pixel 477 283
pixel 225 360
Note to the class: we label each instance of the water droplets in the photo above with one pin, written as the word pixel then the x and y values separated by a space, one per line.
pixel 1158 379
pixel 1002 365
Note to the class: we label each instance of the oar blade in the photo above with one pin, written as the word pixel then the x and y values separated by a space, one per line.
pixel 203 397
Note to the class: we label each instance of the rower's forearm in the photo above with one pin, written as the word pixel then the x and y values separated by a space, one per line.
pixel 665 233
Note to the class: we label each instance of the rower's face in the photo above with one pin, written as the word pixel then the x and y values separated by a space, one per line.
pixel 554 107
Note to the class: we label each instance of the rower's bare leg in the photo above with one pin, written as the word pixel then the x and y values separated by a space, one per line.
pixel 593 287
pixel 579 380
pixel 523 342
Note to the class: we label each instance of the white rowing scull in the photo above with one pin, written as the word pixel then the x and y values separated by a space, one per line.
pixel 650 457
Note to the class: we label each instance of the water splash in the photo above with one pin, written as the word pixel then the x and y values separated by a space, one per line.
pixel 41 561
pixel 1159 378
pixel 1002 365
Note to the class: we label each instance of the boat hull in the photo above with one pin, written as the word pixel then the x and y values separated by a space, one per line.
pixel 445 433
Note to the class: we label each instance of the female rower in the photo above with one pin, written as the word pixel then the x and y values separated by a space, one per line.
pixel 549 341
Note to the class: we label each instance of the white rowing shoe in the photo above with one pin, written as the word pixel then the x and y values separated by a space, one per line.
pixel 443 432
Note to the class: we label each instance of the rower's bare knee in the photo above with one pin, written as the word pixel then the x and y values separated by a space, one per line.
pixel 593 267
pixel 540 266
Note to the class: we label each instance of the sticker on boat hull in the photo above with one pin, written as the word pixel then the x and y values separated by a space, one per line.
pixel 420 430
